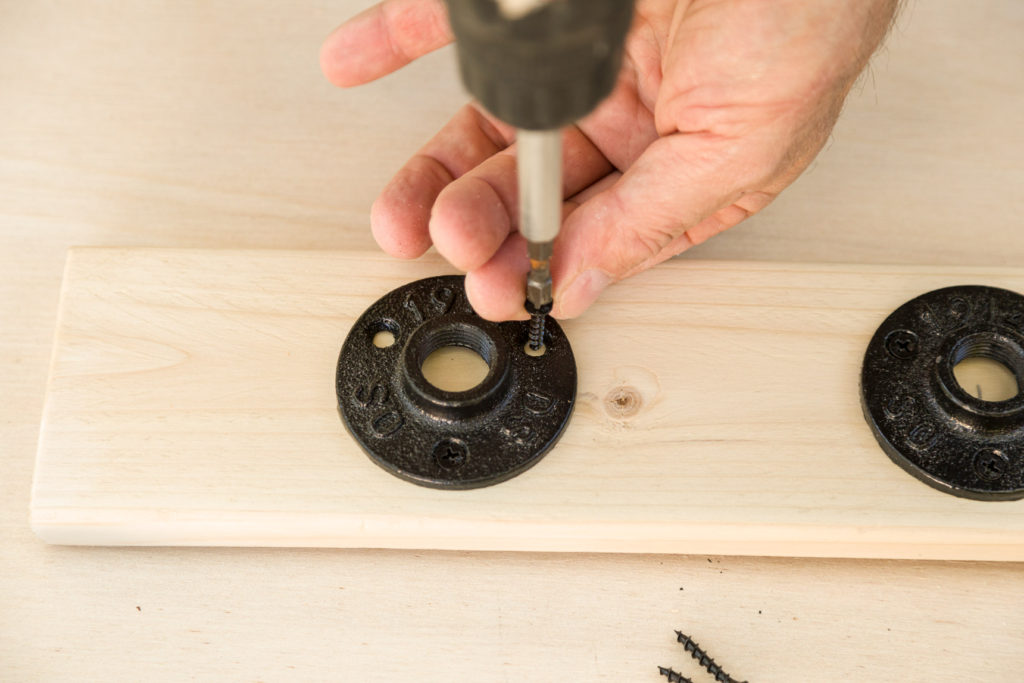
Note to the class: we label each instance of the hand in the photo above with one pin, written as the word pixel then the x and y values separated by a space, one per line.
pixel 720 105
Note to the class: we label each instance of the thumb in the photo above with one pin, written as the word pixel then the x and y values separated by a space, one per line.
pixel 682 190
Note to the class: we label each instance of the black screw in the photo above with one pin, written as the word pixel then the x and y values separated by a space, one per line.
pixel 538 319
pixel 673 676
pixel 450 453
pixel 902 344
pixel 702 658
pixel 537 331
pixel 990 463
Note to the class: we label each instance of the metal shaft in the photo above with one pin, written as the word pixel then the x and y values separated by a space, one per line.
pixel 540 183
pixel 539 164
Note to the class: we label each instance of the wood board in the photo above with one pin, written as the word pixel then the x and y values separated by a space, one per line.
pixel 191 402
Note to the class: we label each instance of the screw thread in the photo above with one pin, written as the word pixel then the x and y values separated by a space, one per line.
pixel 537 324
pixel 673 676
pixel 703 659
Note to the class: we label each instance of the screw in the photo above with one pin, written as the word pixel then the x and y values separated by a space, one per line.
pixel 902 344
pixel 990 463
pixel 702 658
pixel 450 453
pixel 538 320
pixel 673 676
pixel 537 323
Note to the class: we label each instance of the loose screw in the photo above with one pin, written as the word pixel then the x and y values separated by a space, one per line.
pixel 702 658
pixel 673 676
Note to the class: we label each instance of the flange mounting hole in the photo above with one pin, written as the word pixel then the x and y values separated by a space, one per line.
pixel 383 339
pixel 986 379
pixel 383 333
pixel 530 351
pixel 454 368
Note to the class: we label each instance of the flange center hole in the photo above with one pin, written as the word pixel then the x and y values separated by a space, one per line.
pixel 454 368
pixel 986 379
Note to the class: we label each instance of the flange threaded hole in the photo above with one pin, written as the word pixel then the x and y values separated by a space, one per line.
pixel 456 358
pixel 988 368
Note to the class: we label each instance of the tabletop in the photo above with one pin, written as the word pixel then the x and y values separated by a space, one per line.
pixel 208 124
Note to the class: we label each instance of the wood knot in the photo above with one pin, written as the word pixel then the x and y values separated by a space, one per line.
pixel 623 401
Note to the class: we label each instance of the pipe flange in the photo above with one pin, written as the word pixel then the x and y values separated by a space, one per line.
pixel 923 419
pixel 451 439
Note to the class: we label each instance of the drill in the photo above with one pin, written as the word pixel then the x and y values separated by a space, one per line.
pixel 539 65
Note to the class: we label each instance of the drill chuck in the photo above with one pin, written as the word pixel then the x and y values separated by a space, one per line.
pixel 546 68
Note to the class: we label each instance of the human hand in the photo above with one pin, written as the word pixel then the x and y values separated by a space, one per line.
pixel 719 106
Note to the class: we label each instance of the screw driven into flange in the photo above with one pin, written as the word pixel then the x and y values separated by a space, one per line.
pixel 538 321
pixel 537 331
pixel 702 658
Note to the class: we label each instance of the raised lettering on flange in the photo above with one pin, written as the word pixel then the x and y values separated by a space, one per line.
pixel 518 430
pixel 445 297
pixel 899 405
pixel 539 403
pixel 387 423
pixel 367 396
pixel 922 435
pixel 410 305
pixel 960 311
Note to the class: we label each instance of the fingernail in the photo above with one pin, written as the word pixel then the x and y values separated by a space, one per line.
pixel 580 293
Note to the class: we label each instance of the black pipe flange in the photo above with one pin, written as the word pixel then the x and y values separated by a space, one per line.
pixel 451 439
pixel 924 420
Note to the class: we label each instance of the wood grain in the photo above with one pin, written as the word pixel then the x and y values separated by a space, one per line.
pixel 191 402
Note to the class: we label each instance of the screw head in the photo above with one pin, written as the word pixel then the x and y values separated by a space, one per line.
pixel 451 453
pixel 902 344
pixel 991 463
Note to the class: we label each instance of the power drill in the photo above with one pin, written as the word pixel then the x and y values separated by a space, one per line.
pixel 539 65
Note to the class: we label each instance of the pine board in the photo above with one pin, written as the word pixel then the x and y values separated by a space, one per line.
pixel 191 402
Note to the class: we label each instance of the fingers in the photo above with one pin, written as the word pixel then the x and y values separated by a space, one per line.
pixel 474 223
pixel 382 39
pixel 459 191
pixel 400 216
pixel 473 215
pixel 720 221
pixel 497 289
pixel 678 192
pixel 723 219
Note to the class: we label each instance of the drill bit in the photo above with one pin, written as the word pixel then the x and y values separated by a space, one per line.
pixel 538 291
pixel 539 65
pixel 539 166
